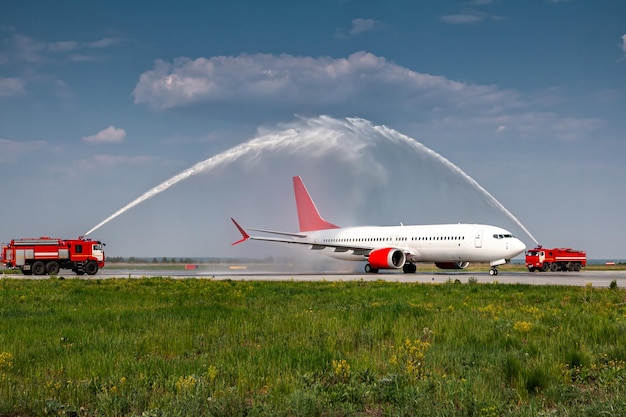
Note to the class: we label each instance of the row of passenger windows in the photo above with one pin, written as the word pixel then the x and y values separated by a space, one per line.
pixel 502 236
pixel 387 239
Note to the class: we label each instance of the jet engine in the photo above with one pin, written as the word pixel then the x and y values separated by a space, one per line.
pixel 452 265
pixel 387 258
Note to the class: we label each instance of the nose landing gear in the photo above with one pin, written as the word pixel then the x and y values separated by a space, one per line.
pixel 493 271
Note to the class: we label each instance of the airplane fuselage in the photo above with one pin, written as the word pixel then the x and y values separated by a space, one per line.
pixel 422 243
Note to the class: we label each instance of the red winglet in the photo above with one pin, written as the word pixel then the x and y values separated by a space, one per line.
pixel 244 235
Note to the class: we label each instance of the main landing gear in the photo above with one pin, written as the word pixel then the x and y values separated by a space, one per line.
pixel 407 268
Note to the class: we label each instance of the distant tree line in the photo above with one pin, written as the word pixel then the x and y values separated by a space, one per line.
pixel 139 260
pixel 176 260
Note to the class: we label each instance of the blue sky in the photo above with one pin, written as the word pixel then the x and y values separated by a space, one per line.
pixel 101 101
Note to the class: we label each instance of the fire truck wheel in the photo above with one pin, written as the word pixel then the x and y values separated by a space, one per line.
pixel 576 267
pixel 39 268
pixel 91 267
pixel 554 267
pixel 53 268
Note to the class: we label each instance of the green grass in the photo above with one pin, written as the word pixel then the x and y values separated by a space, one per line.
pixel 163 347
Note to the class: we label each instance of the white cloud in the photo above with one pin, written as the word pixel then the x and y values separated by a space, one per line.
pixel 359 26
pixel 365 25
pixel 463 18
pixel 104 164
pixel 608 96
pixel 63 46
pixel 27 49
pixel 12 86
pixel 531 125
pixel 23 48
pixel 111 134
pixel 82 58
pixel 12 150
pixel 361 84
pixel 106 161
pixel 315 82
pixel 624 43
pixel 104 42
pixel 469 17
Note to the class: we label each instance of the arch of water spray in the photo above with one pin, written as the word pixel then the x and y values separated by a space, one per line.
pixel 324 139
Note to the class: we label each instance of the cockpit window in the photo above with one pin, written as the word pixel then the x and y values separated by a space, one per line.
pixel 501 236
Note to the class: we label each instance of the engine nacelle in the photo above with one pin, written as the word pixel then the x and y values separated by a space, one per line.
pixel 452 265
pixel 387 258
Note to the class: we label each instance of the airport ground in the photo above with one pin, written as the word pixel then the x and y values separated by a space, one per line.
pixel 596 275
pixel 594 278
pixel 313 339
pixel 218 345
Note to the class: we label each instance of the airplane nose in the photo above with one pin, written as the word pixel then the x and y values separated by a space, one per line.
pixel 518 247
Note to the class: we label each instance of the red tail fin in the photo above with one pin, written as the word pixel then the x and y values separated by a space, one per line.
pixel 308 216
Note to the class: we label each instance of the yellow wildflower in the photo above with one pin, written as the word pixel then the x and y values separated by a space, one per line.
pixel 342 369
pixel 522 326
pixel 185 383
pixel 6 361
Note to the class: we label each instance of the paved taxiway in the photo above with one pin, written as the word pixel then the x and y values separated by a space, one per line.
pixel 596 278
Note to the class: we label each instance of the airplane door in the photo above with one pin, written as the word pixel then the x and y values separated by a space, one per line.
pixel 478 240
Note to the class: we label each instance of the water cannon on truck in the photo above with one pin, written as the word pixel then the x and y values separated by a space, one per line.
pixel 555 259
pixel 46 255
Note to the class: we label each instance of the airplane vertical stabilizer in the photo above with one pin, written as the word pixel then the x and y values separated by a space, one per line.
pixel 308 216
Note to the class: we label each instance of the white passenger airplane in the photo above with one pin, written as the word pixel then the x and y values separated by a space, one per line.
pixel 449 246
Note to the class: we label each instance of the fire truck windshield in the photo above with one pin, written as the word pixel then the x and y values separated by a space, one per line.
pixel 97 247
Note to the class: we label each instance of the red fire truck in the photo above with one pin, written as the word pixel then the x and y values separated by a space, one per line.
pixel 555 259
pixel 45 255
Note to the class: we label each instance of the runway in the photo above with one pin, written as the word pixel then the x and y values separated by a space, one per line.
pixel 582 278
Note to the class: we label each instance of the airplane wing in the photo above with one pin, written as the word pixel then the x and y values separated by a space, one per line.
pixel 245 236
pixel 300 235
pixel 338 247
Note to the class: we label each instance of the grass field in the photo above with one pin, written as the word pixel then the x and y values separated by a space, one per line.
pixel 163 347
